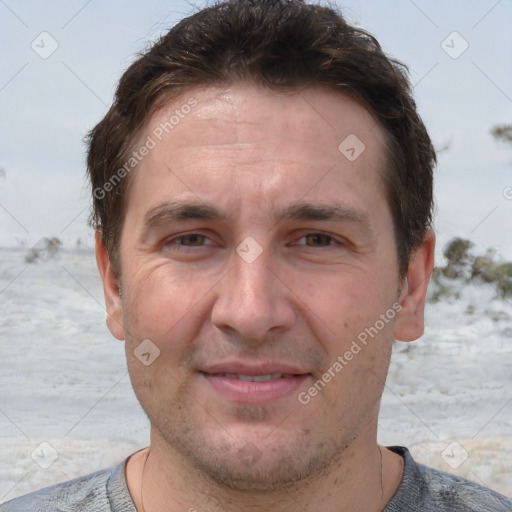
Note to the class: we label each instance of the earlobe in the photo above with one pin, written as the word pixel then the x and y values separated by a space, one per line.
pixel 410 325
pixel 111 289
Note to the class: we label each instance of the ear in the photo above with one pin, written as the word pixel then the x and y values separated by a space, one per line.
pixel 410 324
pixel 113 299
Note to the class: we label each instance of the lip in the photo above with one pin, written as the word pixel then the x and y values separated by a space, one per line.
pixel 263 368
pixel 242 391
pixel 250 391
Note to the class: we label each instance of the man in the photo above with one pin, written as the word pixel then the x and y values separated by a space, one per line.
pixel 262 191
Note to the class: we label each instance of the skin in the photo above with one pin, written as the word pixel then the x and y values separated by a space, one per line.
pixel 251 153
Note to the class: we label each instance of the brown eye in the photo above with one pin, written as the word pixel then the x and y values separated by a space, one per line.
pixel 193 240
pixel 318 240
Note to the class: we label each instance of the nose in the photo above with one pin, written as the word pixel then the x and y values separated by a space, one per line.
pixel 253 301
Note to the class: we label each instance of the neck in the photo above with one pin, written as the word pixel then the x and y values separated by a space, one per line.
pixel 363 477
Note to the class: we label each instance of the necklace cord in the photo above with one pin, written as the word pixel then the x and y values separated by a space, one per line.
pixel 142 481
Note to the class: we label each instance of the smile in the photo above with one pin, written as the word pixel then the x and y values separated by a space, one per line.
pixel 242 388
pixel 257 378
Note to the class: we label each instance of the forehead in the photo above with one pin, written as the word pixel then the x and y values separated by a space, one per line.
pixel 225 135
pixel 229 113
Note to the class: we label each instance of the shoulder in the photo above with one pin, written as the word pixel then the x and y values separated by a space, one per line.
pixel 430 490
pixel 89 493
pixel 457 493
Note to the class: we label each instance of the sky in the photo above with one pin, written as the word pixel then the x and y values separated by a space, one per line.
pixel 61 60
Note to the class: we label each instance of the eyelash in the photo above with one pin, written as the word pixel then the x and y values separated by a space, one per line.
pixel 332 241
pixel 188 235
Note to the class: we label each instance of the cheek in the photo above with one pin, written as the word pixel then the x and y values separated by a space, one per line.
pixel 162 319
pixel 348 302
pixel 350 327
pixel 160 299
pixel 167 311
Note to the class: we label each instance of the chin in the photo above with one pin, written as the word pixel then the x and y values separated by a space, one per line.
pixel 247 459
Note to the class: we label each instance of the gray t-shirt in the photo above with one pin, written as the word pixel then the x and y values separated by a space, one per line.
pixel 422 489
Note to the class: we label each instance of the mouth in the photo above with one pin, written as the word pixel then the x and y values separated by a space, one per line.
pixel 252 387
pixel 256 378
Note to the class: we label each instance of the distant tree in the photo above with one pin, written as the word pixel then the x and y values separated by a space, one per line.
pixel 463 265
pixel 502 132
pixel 458 256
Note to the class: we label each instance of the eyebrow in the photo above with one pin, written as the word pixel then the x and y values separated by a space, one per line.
pixel 329 212
pixel 175 211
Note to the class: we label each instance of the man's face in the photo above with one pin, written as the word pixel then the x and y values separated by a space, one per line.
pixel 253 245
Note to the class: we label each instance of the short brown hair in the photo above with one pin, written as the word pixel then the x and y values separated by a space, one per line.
pixel 285 45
